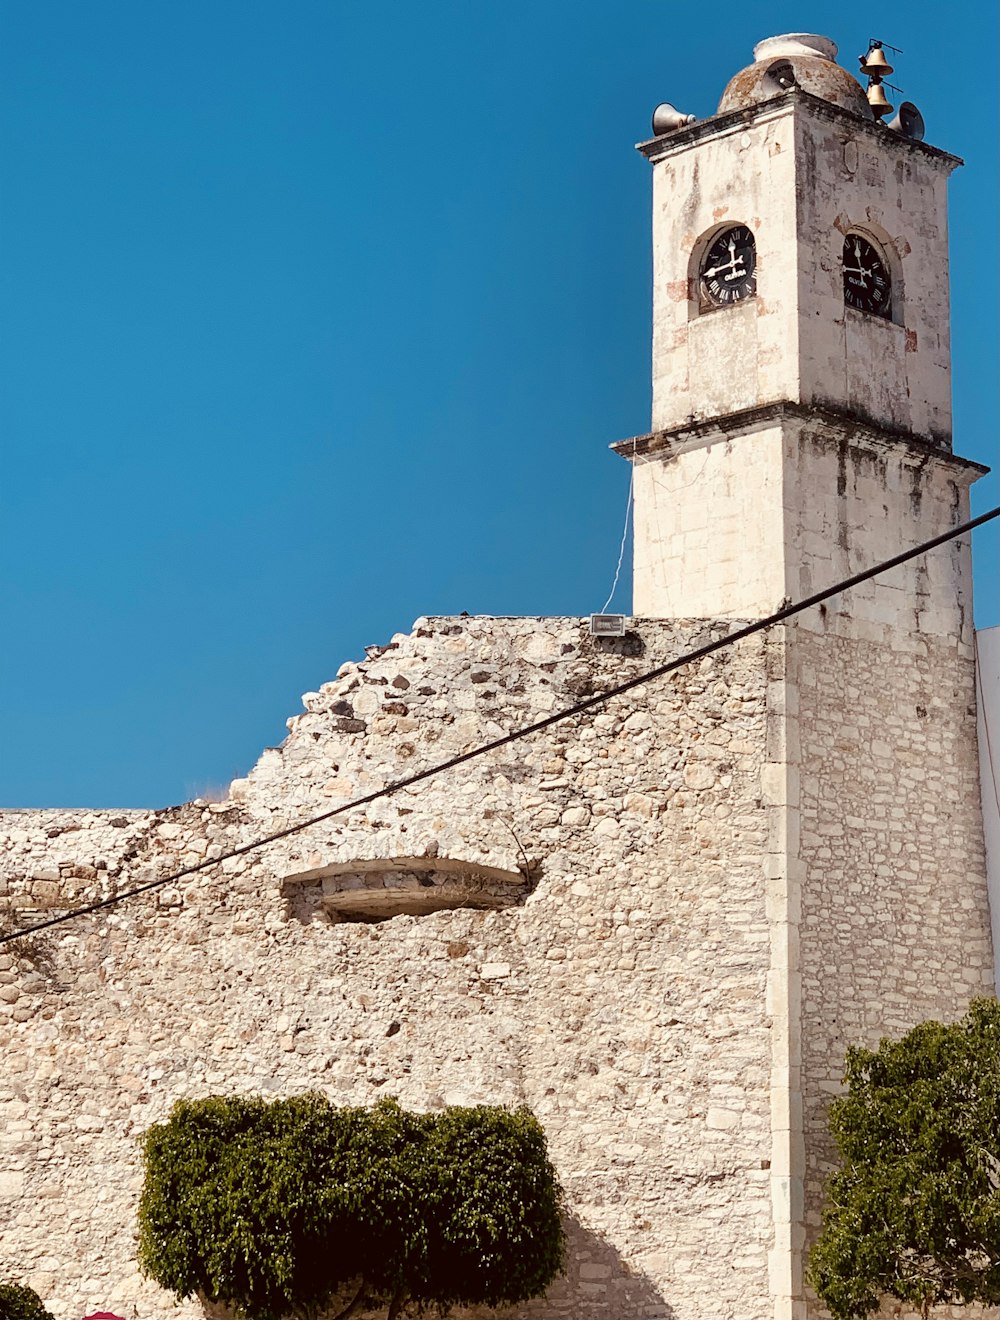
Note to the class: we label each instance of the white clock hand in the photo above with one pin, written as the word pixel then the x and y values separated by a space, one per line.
pixel 731 264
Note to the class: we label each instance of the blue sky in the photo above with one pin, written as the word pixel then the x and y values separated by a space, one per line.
pixel 316 316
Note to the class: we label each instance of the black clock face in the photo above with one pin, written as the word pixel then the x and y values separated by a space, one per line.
pixel 866 277
pixel 729 267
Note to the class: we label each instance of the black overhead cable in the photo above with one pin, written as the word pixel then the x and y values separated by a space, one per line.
pixel 599 699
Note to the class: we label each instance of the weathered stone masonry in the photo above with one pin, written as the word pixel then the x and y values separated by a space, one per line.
pixel 895 914
pixel 706 891
pixel 623 998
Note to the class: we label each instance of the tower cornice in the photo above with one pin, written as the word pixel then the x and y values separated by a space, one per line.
pixel 830 422
pixel 679 139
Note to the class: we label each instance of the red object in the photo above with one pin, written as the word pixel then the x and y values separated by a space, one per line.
pixel 103 1315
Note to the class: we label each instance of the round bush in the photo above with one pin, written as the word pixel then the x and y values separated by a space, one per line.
pixel 276 1207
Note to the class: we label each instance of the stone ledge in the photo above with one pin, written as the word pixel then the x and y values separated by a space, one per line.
pixel 731 120
pixel 678 439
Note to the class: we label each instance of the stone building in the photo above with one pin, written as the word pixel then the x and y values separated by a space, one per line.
pixel 659 924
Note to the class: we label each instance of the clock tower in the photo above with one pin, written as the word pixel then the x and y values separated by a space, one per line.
pixel 800 347
pixel 802 433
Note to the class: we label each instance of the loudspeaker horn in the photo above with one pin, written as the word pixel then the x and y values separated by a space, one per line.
pixel 780 76
pixel 667 117
pixel 908 122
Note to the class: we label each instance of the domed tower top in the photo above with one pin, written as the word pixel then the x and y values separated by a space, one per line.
pixel 795 59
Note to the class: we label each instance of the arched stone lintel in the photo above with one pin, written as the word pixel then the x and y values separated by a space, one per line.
pixel 375 889
pixel 445 865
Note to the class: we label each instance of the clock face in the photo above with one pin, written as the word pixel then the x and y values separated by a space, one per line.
pixel 866 277
pixel 729 267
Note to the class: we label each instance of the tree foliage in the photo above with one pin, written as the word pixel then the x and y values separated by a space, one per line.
pixel 20 1303
pixel 490 1206
pixel 275 1207
pixel 914 1209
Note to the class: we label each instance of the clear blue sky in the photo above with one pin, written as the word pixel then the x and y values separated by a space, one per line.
pixel 318 315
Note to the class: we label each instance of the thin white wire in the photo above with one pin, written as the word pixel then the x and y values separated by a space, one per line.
pixel 628 512
pixel 621 551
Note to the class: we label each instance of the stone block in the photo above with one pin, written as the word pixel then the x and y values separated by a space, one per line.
pixel 699 775
pixel 494 971
pixel 722 1119
pixel 576 816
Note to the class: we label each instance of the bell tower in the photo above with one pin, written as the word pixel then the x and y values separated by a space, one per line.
pixel 801 372
pixel 802 433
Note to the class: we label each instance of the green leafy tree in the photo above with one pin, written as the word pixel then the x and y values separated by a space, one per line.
pixel 271 1206
pixel 20 1303
pixel 275 1207
pixel 490 1206
pixel 914 1209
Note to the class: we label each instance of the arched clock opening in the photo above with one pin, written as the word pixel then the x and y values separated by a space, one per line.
pixel 727 270
pixel 867 282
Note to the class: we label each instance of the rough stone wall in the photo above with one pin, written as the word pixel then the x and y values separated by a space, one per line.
pixel 623 1000
pixel 884 830
pixel 988 728
pixel 875 832
pixel 895 923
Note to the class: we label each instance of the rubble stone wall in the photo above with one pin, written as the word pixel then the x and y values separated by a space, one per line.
pixel 895 922
pixel 621 994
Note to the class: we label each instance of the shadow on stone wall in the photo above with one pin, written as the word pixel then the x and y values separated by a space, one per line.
pixel 598 1282
pixel 598 1285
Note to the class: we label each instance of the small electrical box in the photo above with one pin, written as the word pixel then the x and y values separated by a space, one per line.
pixel 607 625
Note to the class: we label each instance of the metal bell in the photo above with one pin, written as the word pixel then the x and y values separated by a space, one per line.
pixel 874 64
pixel 877 100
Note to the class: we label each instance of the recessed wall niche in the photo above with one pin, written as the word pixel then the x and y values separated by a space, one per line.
pixel 376 890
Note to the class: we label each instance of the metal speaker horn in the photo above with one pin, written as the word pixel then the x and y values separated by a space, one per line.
pixel 908 122
pixel 780 76
pixel 667 117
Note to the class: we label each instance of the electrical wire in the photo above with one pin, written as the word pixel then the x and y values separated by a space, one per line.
pixel 598 699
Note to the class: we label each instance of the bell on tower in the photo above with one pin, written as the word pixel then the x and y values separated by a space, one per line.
pixel 876 69
pixel 800 336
